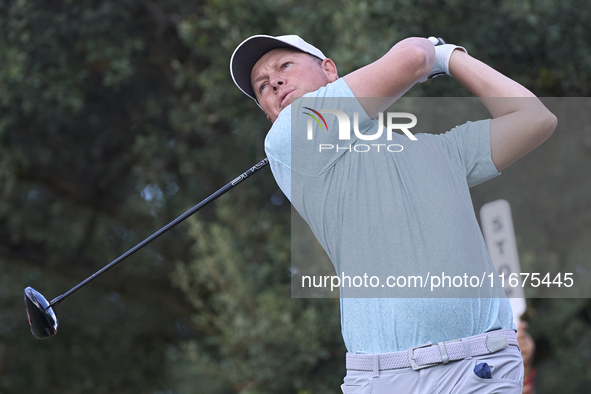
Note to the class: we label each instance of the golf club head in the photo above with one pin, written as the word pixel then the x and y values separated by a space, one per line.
pixel 42 319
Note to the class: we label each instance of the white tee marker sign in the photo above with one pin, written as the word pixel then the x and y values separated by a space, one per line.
pixel 499 234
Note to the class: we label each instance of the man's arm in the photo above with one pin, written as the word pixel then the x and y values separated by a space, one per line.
pixel 393 74
pixel 519 124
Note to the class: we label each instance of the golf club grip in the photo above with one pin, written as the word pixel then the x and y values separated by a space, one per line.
pixel 164 229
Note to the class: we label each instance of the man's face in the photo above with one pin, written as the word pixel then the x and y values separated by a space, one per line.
pixel 282 75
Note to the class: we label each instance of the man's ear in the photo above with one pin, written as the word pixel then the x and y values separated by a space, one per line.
pixel 330 69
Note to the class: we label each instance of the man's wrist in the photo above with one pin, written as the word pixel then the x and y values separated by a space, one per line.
pixel 456 60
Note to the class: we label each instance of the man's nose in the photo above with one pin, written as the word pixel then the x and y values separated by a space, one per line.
pixel 277 82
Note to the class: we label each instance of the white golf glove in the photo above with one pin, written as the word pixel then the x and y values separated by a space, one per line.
pixel 443 52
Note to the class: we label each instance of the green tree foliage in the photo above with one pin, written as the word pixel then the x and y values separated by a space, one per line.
pixel 118 115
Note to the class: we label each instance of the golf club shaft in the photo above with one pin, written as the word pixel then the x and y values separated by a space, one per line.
pixel 164 229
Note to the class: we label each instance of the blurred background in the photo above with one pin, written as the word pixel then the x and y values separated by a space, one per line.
pixel 118 115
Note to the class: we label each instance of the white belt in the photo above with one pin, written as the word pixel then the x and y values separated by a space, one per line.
pixel 429 354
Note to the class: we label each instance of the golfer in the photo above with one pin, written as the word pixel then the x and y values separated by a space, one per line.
pixel 415 202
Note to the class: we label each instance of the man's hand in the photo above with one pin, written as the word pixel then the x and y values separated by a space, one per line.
pixel 408 62
pixel 520 121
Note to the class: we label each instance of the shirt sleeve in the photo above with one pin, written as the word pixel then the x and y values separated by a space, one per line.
pixel 469 145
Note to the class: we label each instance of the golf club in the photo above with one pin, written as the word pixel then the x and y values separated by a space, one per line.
pixel 42 318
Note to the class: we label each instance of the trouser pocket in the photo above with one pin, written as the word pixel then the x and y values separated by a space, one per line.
pixel 356 384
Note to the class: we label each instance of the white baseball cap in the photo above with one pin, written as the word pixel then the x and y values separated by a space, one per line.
pixel 251 50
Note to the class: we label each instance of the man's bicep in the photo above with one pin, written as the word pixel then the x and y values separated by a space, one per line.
pixel 392 75
pixel 514 135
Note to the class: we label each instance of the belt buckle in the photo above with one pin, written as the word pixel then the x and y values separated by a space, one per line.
pixel 411 357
